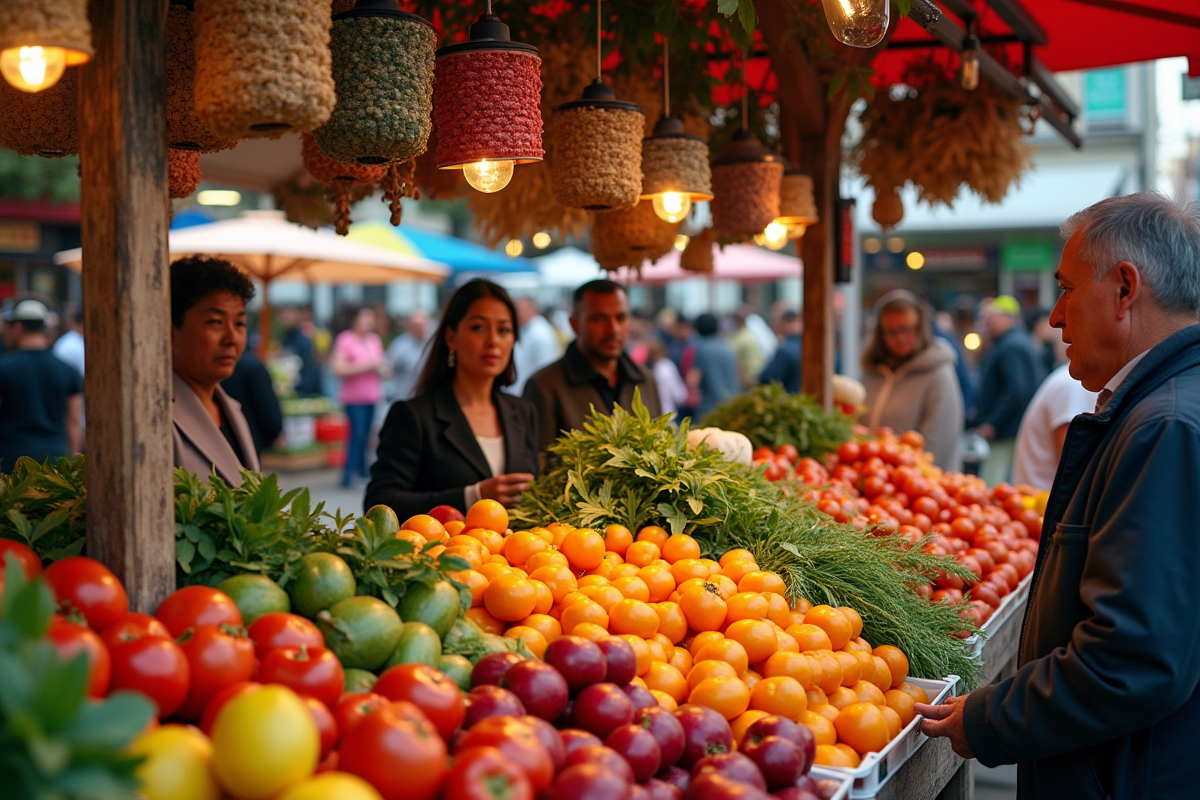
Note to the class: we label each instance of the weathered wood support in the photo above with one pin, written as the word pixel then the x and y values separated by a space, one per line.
pixel 126 296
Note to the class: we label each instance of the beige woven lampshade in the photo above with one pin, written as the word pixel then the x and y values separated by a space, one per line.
pixel 184 130
pixel 263 67
pixel 698 254
pixel 597 162
pixel 797 205
pixel 746 181
pixel 59 27
pixel 44 124
pixel 629 237
pixel 674 162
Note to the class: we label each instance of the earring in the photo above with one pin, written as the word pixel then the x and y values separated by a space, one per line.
pixel 450 360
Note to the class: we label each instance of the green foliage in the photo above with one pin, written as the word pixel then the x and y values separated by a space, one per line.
pixel 35 178
pixel 56 744
pixel 770 416
pixel 632 470
pixel 44 506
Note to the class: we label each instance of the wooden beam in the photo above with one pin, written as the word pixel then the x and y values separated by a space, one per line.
pixel 1020 20
pixel 126 296
pixel 801 93
pixel 1040 74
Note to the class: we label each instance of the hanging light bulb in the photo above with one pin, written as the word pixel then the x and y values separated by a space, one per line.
pixel 671 206
pixel 488 176
pixel 774 236
pixel 33 68
pixel 858 23
pixel 968 69
pixel 675 168
pixel 39 39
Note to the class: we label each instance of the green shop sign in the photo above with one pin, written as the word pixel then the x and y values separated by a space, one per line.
pixel 1028 255
pixel 1104 94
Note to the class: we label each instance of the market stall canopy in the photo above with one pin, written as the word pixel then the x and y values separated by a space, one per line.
pixel 267 247
pixel 745 263
pixel 255 164
pixel 565 268
pixel 465 258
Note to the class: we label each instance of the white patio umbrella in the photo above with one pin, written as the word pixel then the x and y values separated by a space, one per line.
pixel 267 247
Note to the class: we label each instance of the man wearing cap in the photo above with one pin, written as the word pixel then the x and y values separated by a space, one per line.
pixel 41 397
pixel 1009 377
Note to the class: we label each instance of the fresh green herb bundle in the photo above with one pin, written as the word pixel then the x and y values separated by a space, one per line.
pixel 770 416
pixel 45 506
pixel 632 470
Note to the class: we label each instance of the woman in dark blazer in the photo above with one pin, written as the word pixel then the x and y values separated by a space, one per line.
pixel 460 439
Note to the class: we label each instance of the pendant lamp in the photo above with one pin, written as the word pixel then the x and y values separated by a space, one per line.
pixel 383 70
pixel 698 255
pixel 797 206
pixel 675 168
pixel 746 181
pixel 39 39
pixel 183 172
pixel 858 23
pixel 346 180
pixel 631 236
pixel 487 105
pixel 263 67
pixel 44 124
pixel 184 130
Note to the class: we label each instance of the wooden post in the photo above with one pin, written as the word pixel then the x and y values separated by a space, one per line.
pixel 821 160
pixel 126 298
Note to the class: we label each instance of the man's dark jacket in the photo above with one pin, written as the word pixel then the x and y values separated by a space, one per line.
pixel 1008 379
pixel 1105 701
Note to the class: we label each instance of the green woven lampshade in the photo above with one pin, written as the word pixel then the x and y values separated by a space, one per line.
pixel 746 181
pixel 629 237
pixel 597 151
pixel 383 70
pixel 184 130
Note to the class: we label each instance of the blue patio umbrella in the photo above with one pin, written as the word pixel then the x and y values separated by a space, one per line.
pixel 465 258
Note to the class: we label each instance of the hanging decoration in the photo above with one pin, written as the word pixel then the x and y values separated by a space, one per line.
pixel 746 181
pixel 630 237
pixel 858 23
pixel 383 71
pixel 183 173
pixel 797 206
pixel 598 146
pixel 39 39
pixel 698 255
pixel 348 182
pixel 399 182
pixel 44 124
pixel 675 168
pixel 262 66
pixel 184 130
pixel 888 208
pixel 486 101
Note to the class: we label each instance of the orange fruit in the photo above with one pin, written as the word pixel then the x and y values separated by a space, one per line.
pixel 689 584
pixel 742 724
pixel 484 620
pixel 510 597
pixel 893 722
pixel 841 697
pixel 786 641
pixel 704 607
pixel 703 670
pixel 756 636
pixel 665 678
pixel 559 578
pixel 825 710
pixel 848 752
pixel 624 570
pixel 658 651
pixel 544 624
pixel 455 526
pixel 714 567
pixel 544 598
pixel 487 514
pixel 664 700
pixel 801 605
pixel 851 667
pixel 738 569
pixel 633 616
pixel 828 755
pixel 427 526
pixel 580 611
pixel 902 703
pixel 781 695
pixel 492 570
pixel 653 534
pixel 667 645
pixel 606 596
pixel 726 650
pixel 788 665
pixel 737 554
pixel 546 558
pixel 810 637
pixel 701 639
pixel 896 661
pixel 916 692
pixel 608 563
pixel 591 580
pixel 833 622
pixel 816 697
pixel 883 674
pixel 590 631
pixel 687 568
pixel 533 639
pixel 863 727
pixel 724 585
pixel 637 681
pixel 617 539
pixel 746 605
pixel 750 678
pixel 680 546
pixel 869 693
pixel 521 545
pixel 729 697
pixel 659 581
pixel 831 671
pixel 418 541
pixel 633 588
pixel 641 650
pixel 570 598
pixel 822 729
pixel 763 582
pixel 583 548
pixel 672 623
pixel 680 659
pixel 468 553
pixel 858 644
pixel 856 623
pixel 777 609
pixel 641 553
pixel 477 583
pixel 493 541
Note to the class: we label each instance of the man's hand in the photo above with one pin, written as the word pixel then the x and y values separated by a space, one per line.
pixel 946 720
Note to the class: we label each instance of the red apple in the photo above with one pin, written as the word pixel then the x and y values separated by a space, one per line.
pixel 444 514
pixel 639 747
pixel 491 701
pixel 604 757
pixel 538 686
pixel 667 731
pixel 602 708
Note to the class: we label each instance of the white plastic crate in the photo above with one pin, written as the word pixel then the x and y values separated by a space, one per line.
pixel 1008 605
pixel 843 792
pixel 877 768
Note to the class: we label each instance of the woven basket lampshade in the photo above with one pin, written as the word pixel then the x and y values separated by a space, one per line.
pixel 44 124
pixel 383 71
pixel 183 172
pixel 698 255
pixel 746 181
pixel 487 105
pixel 629 237
pixel 184 130
pixel 61 30
pixel 345 180
pixel 675 163
pixel 797 206
pixel 262 66
pixel 598 151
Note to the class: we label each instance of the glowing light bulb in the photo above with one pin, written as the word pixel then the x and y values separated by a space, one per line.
pixel 681 242
pixel 33 68
pixel 915 260
pixel 774 236
pixel 514 248
pixel 858 23
pixel 972 341
pixel 968 69
pixel 796 230
pixel 488 176
pixel 541 240
pixel 672 206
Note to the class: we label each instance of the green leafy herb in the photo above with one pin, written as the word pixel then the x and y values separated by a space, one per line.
pixel 771 416
pixel 45 506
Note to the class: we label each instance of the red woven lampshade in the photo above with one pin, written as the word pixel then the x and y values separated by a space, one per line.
pixel 487 102
pixel 346 180
pixel 183 172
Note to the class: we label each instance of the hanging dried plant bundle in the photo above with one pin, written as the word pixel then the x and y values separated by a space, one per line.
pixel 183 172
pixel 797 205
pixel 383 71
pixel 745 196
pixel 485 100
pixel 698 255
pixel 302 201
pixel 440 184
pixel 598 152
pixel 676 164
pixel 888 208
pixel 184 130
pixel 629 237
pixel 42 124
pixel 262 66
pixel 327 170
pixel 399 183
pixel 63 23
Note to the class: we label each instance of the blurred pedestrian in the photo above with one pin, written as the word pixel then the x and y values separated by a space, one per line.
pixel 1010 375
pixel 300 344
pixel 746 349
pixel 714 373
pixel 251 385
pixel 358 360
pixel 784 367
pixel 672 391
pixel 910 380
pixel 405 355
pixel 69 346
pixel 537 346
pixel 1043 429
pixel 943 328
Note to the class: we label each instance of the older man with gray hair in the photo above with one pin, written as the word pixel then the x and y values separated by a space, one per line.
pixel 1105 701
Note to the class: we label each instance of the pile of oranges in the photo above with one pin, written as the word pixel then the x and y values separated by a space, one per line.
pixel 720 634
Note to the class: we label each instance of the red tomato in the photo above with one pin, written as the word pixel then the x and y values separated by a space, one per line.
pixel 279 629
pixel 483 773
pixel 218 655
pixel 219 700
pixel 849 452
pixel 326 725
pixel 309 671
pixel 398 751
pixel 431 691
pixel 29 561
pixel 197 605
pixel 788 451
pixel 353 707
pixel 70 640
pixel 133 626
pixel 519 744
pixel 87 586
pixel 154 666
